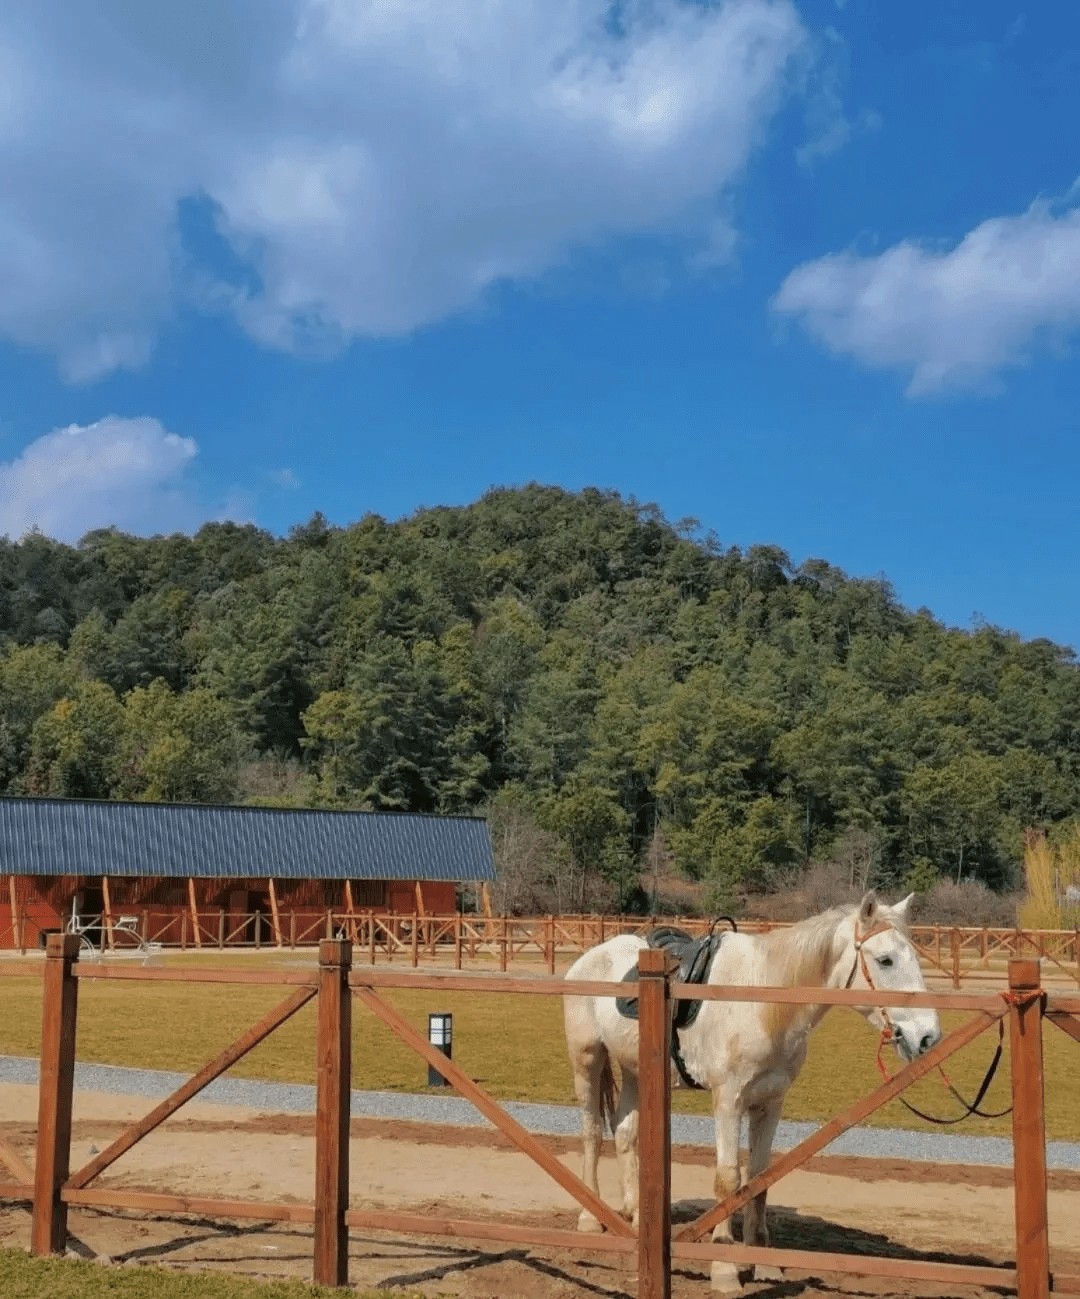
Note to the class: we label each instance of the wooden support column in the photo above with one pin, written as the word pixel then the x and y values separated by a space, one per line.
pixel 349 911
pixel 48 1228
pixel 17 937
pixel 274 914
pixel 194 912
pixel 654 1132
pixel 421 912
pixel 108 910
pixel 333 1081
pixel 1029 1130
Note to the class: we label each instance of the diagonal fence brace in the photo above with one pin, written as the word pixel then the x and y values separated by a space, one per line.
pixel 521 1138
pixel 828 1132
pixel 16 1164
pixel 192 1087
pixel 1066 1022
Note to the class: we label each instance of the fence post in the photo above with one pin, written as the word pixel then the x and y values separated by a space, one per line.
pixel 1029 1131
pixel 954 943
pixel 654 1132
pixel 502 944
pixel 414 948
pixel 48 1229
pixel 333 1082
pixel 457 941
pixel 550 944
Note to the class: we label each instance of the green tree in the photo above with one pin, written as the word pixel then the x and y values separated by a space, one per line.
pixel 176 748
pixel 954 816
pixel 74 746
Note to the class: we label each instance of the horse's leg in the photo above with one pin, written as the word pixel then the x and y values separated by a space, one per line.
pixel 724 1276
pixel 626 1143
pixel 588 1067
pixel 763 1121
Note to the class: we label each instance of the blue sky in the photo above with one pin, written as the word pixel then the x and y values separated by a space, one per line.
pixel 808 272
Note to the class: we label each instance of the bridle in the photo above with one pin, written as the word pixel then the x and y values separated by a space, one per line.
pixel 890 1033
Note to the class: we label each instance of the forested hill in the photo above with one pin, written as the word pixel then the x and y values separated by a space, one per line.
pixel 574 660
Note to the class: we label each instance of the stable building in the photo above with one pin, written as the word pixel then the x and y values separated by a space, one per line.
pixel 209 874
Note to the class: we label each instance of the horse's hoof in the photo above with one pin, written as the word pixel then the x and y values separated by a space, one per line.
pixel 724 1278
pixel 586 1222
pixel 762 1272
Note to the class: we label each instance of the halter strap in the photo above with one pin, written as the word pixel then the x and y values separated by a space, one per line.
pixel 860 957
pixel 888 1032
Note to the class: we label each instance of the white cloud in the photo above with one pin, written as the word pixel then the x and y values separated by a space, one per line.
pixel 127 472
pixel 285 478
pixel 953 317
pixel 379 165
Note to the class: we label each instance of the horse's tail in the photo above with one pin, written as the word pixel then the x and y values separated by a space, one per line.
pixel 609 1094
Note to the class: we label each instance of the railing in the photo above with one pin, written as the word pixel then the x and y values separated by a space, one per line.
pixel 962 954
pixel 52 1187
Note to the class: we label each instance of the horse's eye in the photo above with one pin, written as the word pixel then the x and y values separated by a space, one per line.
pixel 884 961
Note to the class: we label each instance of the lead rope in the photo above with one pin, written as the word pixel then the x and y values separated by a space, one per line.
pixel 888 1034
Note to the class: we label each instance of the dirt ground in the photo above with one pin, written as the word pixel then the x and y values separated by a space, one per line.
pixel 906 1210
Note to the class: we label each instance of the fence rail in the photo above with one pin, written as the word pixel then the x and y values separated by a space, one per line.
pixel 964 955
pixel 53 1187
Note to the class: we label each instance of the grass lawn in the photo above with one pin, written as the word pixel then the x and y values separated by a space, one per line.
pixel 511 1044
pixel 23 1277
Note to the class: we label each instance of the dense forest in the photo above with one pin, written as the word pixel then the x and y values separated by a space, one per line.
pixel 616 692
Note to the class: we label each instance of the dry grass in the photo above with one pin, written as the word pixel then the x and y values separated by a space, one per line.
pixel 1051 870
pixel 512 1045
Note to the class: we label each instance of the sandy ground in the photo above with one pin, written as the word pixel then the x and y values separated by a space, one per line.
pixel 889 1207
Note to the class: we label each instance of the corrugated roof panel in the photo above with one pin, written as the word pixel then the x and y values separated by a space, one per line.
pixel 45 836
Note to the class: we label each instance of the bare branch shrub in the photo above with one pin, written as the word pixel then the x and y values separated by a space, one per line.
pixel 273 778
pixel 969 904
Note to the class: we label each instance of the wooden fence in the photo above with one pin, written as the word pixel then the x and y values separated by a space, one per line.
pixel 53 1187
pixel 963 955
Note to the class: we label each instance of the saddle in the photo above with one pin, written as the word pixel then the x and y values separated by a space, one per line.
pixel 694 957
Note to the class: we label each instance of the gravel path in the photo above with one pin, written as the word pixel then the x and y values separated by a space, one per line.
pixel 559 1120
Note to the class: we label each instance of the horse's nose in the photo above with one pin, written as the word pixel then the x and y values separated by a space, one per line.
pixel 927 1041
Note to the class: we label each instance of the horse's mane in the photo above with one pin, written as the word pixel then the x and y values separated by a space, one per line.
pixel 800 956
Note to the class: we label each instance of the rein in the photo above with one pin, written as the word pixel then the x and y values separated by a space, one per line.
pixel 889 1034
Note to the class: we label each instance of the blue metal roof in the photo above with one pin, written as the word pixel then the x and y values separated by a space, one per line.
pixel 54 836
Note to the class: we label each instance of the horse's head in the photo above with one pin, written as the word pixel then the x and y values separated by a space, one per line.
pixel 880 955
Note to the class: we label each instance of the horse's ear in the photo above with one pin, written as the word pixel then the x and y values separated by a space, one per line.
pixel 901 908
pixel 868 906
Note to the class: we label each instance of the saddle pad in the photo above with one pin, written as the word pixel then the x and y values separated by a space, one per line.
pixel 694 956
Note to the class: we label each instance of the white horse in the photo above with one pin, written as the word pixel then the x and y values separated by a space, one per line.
pixel 746 1053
